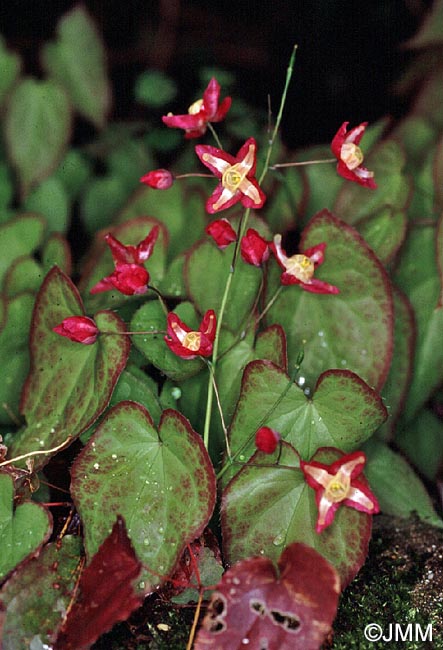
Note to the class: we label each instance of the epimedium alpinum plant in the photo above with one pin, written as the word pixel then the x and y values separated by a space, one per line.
pixel 242 373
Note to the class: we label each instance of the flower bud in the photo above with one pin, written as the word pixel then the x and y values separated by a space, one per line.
pixel 159 179
pixel 80 329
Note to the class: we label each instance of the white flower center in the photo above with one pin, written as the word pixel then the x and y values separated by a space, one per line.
pixel 351 155
pixel 338 488
pixel 192 341
pixel 300 266
pixel 231 178
pixel 195 108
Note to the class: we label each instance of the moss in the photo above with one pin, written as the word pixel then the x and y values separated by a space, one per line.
pixel 401 583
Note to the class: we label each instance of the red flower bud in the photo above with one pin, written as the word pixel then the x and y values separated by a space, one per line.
pixel 254 249
pixel 266 440
pixel 221 232
pixel 129 279
pixel 80 329
pixel 159 179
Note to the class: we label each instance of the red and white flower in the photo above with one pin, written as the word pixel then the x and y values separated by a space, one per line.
pixel 345 148
pixel 299 268
pixel 337 484
pixel 236 174
pixel 80 329
pixel 204 110
pixel 253 248
pixel 187 343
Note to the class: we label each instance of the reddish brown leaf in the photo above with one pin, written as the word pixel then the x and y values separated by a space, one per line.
pixel 106 592
pixel 253 607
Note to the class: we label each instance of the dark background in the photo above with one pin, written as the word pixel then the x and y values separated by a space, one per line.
pixel 348 58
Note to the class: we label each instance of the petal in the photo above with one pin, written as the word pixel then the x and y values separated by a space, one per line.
pixel 177 348
pixel 349 464
pixel 209 325
pixel 316 253
pixel 317 475
pixel 326 512
pixel 222 232
pixel 176 328
pixel 317 286
pixel 361 498
pixel 217 160
pixel 338 140
pixel 278 251
pixel 224 107
pixel 210 98
pixel 253 196
pixel 247 158
pixel 253 248
pixel 121 254
pixel 145 247
pixel 356 134
pixel 103 285
pixel 184 121
pixel 221 199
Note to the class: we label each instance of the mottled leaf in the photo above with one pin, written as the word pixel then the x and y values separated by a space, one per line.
pixel 261 606
pixel 36 597
pixel 23 530
pixel 384 232
pixel 18 237
pixel 269 505
pixel 10 64
pixel 37 129
pixel 69 384
pixel 353 329
pixel 422 442
pixel 162 483
pixel 50 199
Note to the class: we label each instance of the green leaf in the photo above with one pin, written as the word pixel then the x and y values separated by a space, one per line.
pixel 343 411
pixel 177 207
pixel 207 270
pixel 266 507
pixel 422 201
pixel 173 282
pixel 24 274
pixel 77 61
pixel 417 135
pixel 38 594
pixel 162 483
pixel 19 237
pixel 419 277
pixel 387 161
pixel 398 489
pixel 6 188
pixel 399 377
pixel 99 263
pixel 57 252
pixel 74 171
pixel 287 199
pixel 23 530
pixel 438 173
pixel 37 129
pixel 101 200
pixel 50 200
pixel 151 317
pixel 422 442
pixel 10 65
pixel 384 232
pixel 350 330
pixel 129 161
pixel 154 89
pixel 69 384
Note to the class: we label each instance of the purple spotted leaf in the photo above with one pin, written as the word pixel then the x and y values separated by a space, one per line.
pixel 162 482
pixel 352 330
pixel 69 384
pixel 261 606
pixel 269 505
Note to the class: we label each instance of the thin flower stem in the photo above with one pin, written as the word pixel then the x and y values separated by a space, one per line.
pixel 289 72
pixel 214 135
pixel 39 452
pixel 269 305
pixel 304 162
pixel 193 175
pixel 144 332
pixel 195 622
pixel 161 299
pixel 219 406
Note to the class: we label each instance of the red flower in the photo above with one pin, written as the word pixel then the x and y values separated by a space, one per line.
pixel 345 148
pixel 130 279
pixel 187 343
pixel 266 440
pixel 336 484
pixel 159 179
pixel 201 112
pixel 254 249
pixel 130 276
pixel 237 182
pixel 80 329
pixel 222 232
pixel 299 269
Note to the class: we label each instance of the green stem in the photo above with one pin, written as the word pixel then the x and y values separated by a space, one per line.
pixel 304 162
pixel 214 135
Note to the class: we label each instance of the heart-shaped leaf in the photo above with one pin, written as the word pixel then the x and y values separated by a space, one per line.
pixel 51 200
pixel 343 411
pixel 69 384
pixel 257 606
pixel 384 232
pixel 422 442
pixel 36 597
pixel 387 161
pixel 37 129
pixel 77 61
pixel 268 505
pixel 206 273
pixel 162 483
pixel 353 329
pixel 108 581
pixel 10 64
pixel 23 530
